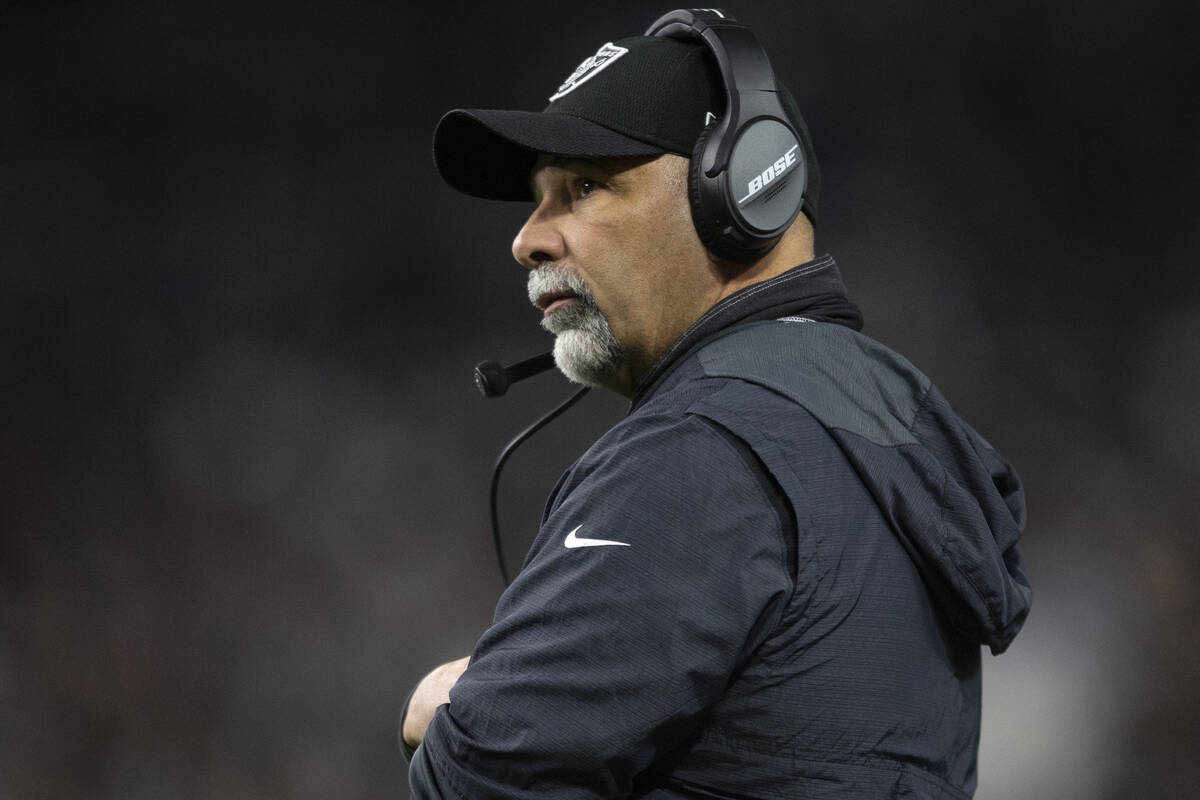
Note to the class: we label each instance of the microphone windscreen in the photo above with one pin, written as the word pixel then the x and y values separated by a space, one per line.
pixel 491 379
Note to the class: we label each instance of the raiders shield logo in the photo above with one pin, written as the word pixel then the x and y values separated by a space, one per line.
pixel 607 54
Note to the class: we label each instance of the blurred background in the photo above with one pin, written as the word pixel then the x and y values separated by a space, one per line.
pixel 243 467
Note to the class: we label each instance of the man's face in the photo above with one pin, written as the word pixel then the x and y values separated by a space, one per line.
pixel 619 230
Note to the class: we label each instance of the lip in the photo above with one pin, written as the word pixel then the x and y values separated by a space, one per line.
pixel 553 301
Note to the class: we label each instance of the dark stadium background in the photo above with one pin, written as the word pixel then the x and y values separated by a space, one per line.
pixel 243 468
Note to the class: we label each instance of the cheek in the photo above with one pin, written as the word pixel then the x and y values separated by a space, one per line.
pixel 633 299
pixel 616 282
pixel 634 268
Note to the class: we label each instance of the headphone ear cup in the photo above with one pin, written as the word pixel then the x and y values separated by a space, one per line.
pixel 707 228
pixel 716 224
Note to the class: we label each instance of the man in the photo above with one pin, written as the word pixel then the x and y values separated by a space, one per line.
pixel 772 579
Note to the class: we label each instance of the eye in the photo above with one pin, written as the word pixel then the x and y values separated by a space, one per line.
pixel 586 186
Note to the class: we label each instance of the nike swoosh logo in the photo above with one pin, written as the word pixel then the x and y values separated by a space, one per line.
pixel 573 541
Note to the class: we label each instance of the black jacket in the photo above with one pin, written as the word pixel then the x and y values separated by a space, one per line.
pixel 771 580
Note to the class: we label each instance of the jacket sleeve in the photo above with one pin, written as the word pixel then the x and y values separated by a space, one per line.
pixel 660 566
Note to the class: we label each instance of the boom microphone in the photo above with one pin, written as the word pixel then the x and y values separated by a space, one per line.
pixel 492 379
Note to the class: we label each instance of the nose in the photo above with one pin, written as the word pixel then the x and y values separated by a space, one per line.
pixel 539 239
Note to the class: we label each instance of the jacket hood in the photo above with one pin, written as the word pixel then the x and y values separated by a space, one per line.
pixel 956 505
pixel 959 509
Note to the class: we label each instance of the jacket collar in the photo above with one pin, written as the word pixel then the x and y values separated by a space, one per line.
pixel 814 290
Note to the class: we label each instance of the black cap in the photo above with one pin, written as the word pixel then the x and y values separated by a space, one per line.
pixel 635 96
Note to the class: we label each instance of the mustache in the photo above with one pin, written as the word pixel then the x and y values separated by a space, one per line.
pixel 549 278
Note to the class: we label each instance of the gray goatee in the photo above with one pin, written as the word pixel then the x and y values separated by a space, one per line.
pixel 585 349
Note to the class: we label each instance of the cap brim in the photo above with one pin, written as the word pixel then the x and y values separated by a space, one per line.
pixel 490 153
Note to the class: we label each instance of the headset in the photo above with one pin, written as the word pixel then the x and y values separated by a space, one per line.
pixel 749 170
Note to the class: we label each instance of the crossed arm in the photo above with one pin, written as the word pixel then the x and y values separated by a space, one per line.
pixel 431 692
pixel 601 659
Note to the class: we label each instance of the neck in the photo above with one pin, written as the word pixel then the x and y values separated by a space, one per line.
pixel 796 247
pixel 723 279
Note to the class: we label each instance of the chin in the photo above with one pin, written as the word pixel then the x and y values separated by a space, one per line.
pixel 586 359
